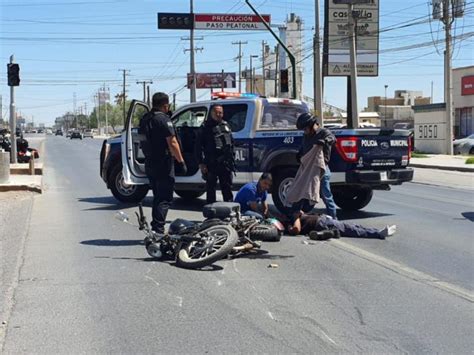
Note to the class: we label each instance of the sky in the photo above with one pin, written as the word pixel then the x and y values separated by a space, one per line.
pixel 72 48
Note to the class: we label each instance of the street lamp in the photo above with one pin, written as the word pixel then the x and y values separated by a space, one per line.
pixel 385 102
pixel 251 72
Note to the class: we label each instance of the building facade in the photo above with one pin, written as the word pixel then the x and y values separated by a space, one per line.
pixel 397 109
pixel 463 101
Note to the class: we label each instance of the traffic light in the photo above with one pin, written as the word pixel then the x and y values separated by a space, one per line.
pixel 175 21
pixel 284 80
pixel 13 74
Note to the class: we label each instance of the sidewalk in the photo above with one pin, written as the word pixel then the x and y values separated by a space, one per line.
pixel 443 162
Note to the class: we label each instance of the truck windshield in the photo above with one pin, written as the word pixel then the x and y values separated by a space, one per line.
pixel 281 115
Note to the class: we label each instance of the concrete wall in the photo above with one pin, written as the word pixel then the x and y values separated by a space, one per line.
pixel 430 129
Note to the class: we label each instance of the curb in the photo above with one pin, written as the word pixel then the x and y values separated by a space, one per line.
pixel 36 188
pixel 440 167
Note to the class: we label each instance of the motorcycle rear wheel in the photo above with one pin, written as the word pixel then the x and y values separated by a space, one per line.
pixel 222 238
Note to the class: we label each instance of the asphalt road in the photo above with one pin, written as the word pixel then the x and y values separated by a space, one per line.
pixel 86 284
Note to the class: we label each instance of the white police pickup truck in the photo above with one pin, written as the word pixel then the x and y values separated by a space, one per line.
pixel 266 139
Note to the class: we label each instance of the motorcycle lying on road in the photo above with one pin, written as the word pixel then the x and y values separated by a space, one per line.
pixel 224 232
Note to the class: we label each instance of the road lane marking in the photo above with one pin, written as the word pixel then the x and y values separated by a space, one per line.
pixel 328 337
pixel 270 315
pixel 180 301
pixel 404 270
pixel 152 279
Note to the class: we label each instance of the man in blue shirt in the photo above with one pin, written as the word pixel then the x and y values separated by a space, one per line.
pixel 252 197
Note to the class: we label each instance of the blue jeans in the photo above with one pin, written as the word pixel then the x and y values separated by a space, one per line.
pixel 251 213
pixel 326 194
pixel 347 229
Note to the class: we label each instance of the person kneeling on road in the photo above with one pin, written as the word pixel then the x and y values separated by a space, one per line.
pixel 252 197
pixel 311 224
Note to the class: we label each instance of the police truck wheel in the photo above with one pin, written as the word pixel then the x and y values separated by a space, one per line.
pixel 283 181
pixel 189 194
pixel 124 192
pixel 352 198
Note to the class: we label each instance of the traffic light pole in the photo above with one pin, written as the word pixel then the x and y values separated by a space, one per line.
pixel 290 55
pixel 13 153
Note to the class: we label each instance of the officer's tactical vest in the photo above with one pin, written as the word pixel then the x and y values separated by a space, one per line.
pixel 222 137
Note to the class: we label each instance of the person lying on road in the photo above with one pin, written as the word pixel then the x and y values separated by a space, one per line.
pixel 311 224
pixel 252 197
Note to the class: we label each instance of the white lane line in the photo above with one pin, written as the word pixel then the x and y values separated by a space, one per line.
pixel 180 301
pixel 328 337
pixel 152 279
pixel 219 283
pixel 404 270
pixel 270 315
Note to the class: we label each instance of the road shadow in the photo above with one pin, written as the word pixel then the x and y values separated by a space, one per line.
pixel 261 254
pixel 109 203
pixel 112 243
pixel 468 215
pixel 169 262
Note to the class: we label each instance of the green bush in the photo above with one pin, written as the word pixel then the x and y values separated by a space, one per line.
pixel 418 155
pixel 470 160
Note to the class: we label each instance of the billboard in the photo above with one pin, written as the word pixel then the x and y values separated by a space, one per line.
pixel 229 22
pixel 336 58
pixel 467 85
pixel 213 80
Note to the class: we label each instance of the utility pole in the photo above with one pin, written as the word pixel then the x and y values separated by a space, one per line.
pixel 192 51
pixel 277 67
pixel 448 90
pixel 144 82
pixel 148 100
pixel 192 64
pixel 174 102
pixel 353 122
pixel 124 93
pixel 12 120
pixel 252 73
pixel 240 62
pixel 74 109
pixel 317 79
pixel 98 111
pixel 263 68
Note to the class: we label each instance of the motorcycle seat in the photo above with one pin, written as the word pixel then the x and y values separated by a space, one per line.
pixel 221 210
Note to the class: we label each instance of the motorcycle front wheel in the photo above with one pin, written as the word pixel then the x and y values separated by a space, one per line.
pixel 216 244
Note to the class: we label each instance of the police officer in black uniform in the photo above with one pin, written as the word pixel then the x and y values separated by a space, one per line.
pixel 159 148
pixel 215 149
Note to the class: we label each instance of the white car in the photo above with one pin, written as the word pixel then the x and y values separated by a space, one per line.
pixel 464 145
pixel 88 133
pixel 49 132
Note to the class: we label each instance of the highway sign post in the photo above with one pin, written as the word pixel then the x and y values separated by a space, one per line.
pixel 337 41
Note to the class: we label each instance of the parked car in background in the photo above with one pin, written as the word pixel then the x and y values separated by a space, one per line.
pixel 464 145
pixel 49 132
pixel 68 133
pixel 76 135
pixel 59 132
pixel 88 133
